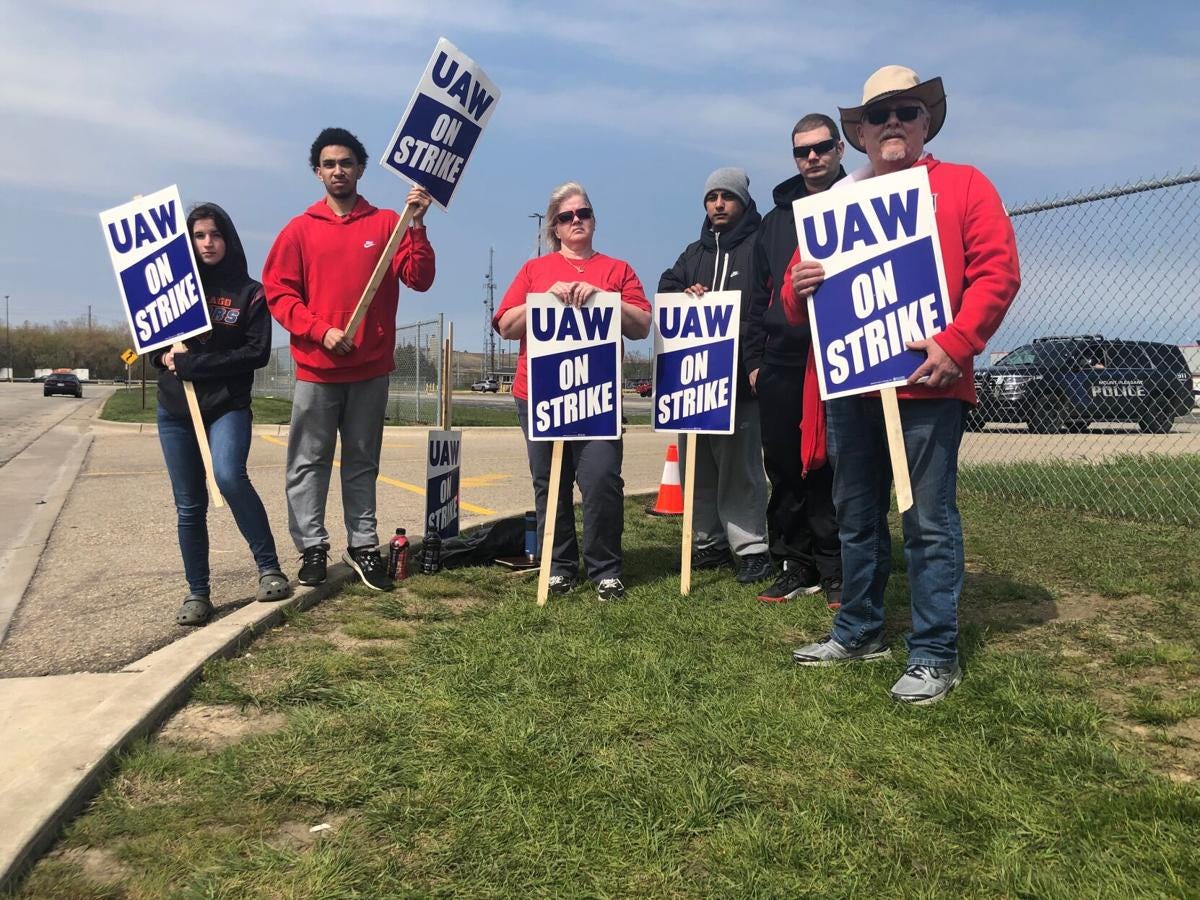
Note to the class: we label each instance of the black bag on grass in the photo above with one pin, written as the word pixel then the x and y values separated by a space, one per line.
pixel 480 546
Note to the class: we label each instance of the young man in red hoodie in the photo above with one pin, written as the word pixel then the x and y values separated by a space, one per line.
pixel 899 114
pixel 314 277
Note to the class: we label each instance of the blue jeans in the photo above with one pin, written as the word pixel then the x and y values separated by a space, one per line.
pixel 229 442
pixel 933 544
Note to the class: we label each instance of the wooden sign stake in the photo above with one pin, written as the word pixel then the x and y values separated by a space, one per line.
pixel 689 489
pixel 381 267
pixel 189 391
pixel 895 439
pixel 543 589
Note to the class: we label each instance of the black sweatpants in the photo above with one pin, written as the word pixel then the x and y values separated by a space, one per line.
pixel 800 515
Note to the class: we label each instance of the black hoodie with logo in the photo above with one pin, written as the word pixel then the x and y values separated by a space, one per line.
pixel 721 261
pixel 221 363
pixel 769 337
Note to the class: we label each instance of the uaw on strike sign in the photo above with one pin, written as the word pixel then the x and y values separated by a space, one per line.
pixel 884 280
pixel 695 361
pixel 442 481
pixel 574 358
pixel 442 123
pixel 151 253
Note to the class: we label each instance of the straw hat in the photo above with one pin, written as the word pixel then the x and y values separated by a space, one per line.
pixel 896 81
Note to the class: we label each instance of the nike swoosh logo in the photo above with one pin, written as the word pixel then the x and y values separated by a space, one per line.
pixel 368 244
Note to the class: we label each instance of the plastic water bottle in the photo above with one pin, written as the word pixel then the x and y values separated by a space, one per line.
pixel 431 554
pixel 397 567
pixel 531 535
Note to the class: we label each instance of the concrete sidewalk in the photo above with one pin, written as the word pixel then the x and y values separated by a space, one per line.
pixel 60 735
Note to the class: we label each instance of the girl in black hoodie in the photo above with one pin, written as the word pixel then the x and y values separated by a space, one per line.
pixel 221 365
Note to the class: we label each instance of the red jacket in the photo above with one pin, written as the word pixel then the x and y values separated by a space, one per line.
pixel 979 254
pixel 315 274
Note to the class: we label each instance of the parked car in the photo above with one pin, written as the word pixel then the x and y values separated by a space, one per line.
pixel 489 385
pixel 1058 384
pixel 62 383
pixel 644 388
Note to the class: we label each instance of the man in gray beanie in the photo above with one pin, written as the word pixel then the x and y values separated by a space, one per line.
pixel 730 502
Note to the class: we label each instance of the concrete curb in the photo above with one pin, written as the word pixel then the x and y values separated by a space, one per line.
pixel 63 733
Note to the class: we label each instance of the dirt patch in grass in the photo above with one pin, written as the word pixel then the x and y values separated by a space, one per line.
pixel 96 864
pixel 299 836
pixel 209 726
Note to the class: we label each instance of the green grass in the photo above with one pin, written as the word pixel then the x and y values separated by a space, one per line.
pixel 1149 487
pixel 465 742
pixel 125 405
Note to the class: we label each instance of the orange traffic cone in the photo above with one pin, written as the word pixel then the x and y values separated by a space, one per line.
pixel 670 490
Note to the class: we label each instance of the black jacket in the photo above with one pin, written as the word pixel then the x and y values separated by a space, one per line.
pixel 221 362
pixel 769 338
pixel 720 262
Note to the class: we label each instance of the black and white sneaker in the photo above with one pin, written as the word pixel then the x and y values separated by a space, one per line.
pixel 833 592
pixel 313 565
pixel 795 579
pixel 610 589
pixel 369 565
pixel 561 584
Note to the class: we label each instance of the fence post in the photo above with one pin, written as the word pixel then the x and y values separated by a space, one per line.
pixel 417 376
pixel 441 337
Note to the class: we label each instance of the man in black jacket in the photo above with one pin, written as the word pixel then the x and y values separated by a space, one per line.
pixel 800 515
pixel 730 502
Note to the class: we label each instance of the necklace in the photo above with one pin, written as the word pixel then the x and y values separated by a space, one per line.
pixel 571 263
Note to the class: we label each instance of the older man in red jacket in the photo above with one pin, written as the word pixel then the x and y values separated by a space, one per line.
pixel 899 114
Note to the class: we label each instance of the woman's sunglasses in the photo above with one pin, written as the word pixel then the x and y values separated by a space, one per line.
pixel 584 214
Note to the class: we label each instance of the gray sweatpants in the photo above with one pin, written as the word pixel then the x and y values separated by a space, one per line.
pixel 729 506
pixel 320 412
pixel 596 466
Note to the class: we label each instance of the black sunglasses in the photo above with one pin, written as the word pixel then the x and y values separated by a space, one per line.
pixel 878 116
pixel 820 149
pixel 584 214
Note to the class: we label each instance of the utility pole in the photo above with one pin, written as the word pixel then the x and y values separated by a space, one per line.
pixel 539 217
pixel 89 317
pixel 8 339
pixel 489 336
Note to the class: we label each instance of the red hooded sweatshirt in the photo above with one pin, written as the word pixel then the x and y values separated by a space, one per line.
pixel 979 253
pixel 315 274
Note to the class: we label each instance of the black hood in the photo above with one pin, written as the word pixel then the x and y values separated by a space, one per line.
pixel 793 189
pixel 745 227
pixel 231 274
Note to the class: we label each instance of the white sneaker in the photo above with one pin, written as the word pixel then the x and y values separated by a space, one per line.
pixel 922 685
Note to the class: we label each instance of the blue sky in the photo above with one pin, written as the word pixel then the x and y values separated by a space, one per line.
pixel 639 101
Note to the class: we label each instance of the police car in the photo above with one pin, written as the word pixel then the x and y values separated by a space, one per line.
pixel 1066 383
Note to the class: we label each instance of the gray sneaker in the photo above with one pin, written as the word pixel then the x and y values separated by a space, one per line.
pixel 828 652
pixel 922 685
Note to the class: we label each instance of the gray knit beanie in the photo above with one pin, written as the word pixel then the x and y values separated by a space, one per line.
pixel 731 179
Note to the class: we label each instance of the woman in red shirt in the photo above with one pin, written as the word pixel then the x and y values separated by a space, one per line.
pixel 573 272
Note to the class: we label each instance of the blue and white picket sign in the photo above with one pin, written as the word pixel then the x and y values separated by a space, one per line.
pixel 574 359
pixel 884 283
pixel 695 361
pixel 442 124
pixel 151 253
pixel 442 478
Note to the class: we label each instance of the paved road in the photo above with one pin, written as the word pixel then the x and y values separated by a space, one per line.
pixel 25 415
pixel 110 578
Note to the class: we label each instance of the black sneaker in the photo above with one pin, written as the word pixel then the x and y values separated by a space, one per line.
pixel 795 579
pixel 833 591
pixel 610 589
pixel 710 558
pixel 367 562
pixel 754 567
pixel 313 565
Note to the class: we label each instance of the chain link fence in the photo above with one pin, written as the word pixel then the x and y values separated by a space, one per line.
pixel 1087 391
pixel 415 384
